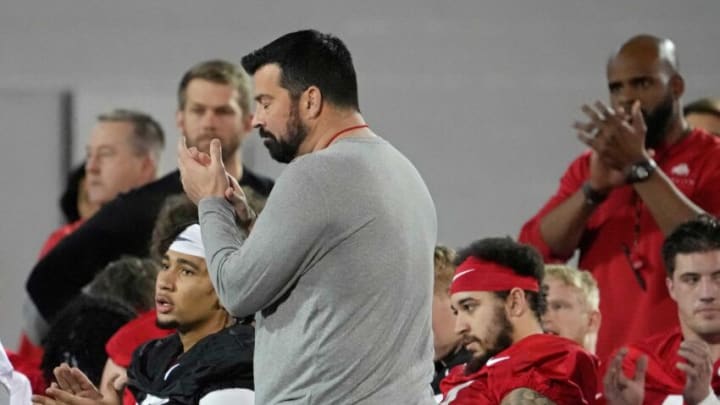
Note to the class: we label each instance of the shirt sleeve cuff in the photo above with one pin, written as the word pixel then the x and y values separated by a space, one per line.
pixel 711 399
pixel 215 204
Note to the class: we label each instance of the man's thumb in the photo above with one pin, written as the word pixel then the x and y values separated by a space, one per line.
pixel 638 120
pixel 113 387
pixel 215 152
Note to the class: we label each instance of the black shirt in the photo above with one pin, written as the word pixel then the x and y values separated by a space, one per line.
pixel 121 227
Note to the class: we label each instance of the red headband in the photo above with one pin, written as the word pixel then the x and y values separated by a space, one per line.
pixel 479 275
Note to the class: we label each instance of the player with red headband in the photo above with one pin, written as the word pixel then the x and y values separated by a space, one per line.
pixel 496 295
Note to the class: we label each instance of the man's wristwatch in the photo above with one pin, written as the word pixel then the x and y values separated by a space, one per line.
pixel 640 171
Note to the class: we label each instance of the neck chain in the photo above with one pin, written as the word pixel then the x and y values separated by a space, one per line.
pixel 634 258
pixel 343 131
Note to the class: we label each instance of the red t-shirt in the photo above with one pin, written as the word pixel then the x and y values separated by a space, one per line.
pixel 130 336
pixel 662 378
pixel 629 312
pixel 31 369
pixel 555 367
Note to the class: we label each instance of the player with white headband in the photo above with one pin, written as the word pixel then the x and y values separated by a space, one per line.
pixel 207 361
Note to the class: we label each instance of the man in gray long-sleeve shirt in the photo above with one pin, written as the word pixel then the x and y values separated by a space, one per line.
pixel 339 266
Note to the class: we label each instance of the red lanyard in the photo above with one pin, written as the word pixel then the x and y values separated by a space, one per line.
pixel 342 131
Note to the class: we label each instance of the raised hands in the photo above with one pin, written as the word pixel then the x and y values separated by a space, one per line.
pixel 202 175
pixel 698 370
pixel 617 140
pixel 621 390
pixel 73 387
pixel 236 196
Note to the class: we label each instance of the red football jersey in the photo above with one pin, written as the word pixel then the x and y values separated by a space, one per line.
pixel 664 383
pixel 555 367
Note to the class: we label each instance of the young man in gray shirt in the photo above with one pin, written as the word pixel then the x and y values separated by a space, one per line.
pixel 339 266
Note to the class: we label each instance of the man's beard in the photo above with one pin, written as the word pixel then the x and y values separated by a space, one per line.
pixel 503 340
pixel 166 324
pixel 173 324
pixel 658 121
pixel 281 150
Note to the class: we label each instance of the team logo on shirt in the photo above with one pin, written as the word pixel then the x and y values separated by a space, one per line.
pixel 170 370
pixel 680 170
pixel 496 360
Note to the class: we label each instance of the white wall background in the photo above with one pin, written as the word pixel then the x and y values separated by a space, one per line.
pixel 479 94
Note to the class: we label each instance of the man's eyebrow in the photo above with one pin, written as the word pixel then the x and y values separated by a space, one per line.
pixel 188 262
pixel 465 301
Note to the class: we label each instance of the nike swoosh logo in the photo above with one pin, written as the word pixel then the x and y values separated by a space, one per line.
pixel 496 360
pixel 170 370
pixel 462 273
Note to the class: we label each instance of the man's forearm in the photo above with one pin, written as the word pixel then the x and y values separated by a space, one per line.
pixel 563 227
pixel 668 205
pixel 247 278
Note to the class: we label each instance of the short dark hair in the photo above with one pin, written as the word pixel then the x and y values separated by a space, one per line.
pixel 69 198
pixel 178 212
pixel 148 138
pixel 522 259
pixel 79 333
pixel 310 58
pixel 128 280
pixel 698 235
pixel 703 106
pixel 219 72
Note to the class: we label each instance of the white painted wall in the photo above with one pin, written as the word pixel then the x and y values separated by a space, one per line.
pixel 479 94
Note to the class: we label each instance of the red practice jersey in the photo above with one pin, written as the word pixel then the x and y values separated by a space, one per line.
pixel 555 367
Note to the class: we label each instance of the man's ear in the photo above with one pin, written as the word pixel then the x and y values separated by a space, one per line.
pixel 312 102
pixel 671 288
pixel 594 321
pixel 677 85
pixel 179 120
pixel 246 126
pixel 149 167
pixel 247 122
pixel 516 302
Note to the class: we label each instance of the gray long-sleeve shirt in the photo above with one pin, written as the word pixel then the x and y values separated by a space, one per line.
pixel 339 268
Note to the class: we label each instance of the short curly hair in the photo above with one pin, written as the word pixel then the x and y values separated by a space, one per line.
pixel 129 280
pixel 701 234
pixel 444 269
pixel 79 333
pixel 178 212
pixel 522 259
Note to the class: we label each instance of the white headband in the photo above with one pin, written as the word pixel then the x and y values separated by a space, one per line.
pixel 189 242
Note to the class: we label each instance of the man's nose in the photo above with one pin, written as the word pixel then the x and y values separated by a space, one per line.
pixel 460 324
pixel 209 119
pixel 258 119
pixel 165 280
pixel 91 164
pixel 708 289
